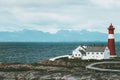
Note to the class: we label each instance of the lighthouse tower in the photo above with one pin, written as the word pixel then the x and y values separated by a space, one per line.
pixel 111 43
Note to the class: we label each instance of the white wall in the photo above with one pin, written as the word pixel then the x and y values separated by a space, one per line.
pixel 94 55
pixel 77 54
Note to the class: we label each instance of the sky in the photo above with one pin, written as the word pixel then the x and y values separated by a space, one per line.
pixel 54 15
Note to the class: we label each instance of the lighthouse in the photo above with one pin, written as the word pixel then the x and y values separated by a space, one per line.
pixel 111 41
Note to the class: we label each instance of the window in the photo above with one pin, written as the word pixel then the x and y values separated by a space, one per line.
pixel 79 55
pixel 84 54
pixel 75 54
pixel 101 53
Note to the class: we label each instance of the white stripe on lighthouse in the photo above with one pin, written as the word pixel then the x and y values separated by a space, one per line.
pixel 111 36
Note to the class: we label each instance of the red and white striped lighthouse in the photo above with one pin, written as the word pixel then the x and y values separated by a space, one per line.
pixel 111 43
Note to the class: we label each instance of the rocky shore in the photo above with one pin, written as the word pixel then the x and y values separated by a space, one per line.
pixel 62 69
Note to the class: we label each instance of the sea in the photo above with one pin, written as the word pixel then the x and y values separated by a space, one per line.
pixel 30 52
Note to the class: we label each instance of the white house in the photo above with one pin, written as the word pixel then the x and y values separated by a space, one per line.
pixel 79 51
pixel 91 52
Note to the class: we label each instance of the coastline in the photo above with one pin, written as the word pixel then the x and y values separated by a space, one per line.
pixel 56 70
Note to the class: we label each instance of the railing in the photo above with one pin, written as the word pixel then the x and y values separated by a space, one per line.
pixel 101 69
pixel 58 57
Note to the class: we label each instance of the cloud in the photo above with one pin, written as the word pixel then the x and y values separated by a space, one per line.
pixel 53 15
pixel 107 3
pixel 39 3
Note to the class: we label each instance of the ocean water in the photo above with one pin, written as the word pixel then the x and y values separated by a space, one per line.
pixel 29 52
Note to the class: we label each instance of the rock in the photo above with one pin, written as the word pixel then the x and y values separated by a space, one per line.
pixel 20 76
pixel 9 75
pixel 53 70
pixel 30 76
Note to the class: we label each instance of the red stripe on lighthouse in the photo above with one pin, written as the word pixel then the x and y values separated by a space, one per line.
pixel 111 41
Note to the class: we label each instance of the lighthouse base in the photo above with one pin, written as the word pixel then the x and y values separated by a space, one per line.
pixel 113 56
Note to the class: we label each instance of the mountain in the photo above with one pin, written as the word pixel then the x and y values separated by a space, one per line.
pixel 60 36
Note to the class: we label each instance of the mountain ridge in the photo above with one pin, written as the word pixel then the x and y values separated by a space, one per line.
pixel 60 36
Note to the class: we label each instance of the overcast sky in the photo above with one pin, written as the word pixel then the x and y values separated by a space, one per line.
pixel 53 15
